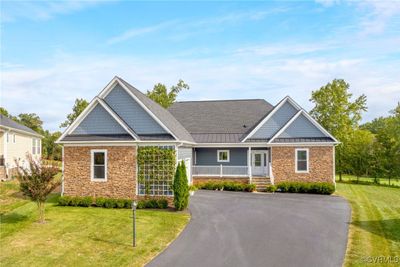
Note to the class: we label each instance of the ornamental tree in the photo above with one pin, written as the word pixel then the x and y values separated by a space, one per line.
pixel 37 181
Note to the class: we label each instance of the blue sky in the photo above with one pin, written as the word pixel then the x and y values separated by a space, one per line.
pixel 54 52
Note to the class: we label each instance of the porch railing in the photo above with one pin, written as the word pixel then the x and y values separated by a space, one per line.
pixel 220 170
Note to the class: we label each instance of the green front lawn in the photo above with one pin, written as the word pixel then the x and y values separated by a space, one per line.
pixel 75 236
pixel 375 227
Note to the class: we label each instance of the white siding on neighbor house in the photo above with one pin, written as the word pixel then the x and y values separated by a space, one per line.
pixel 276 122
pixel 132 113
pixel 1 143
pixel 99 121
pixel 20 149
pixel 301 127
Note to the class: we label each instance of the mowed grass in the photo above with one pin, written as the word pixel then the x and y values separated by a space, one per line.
pixel 75 236
pixel 375 227
pixel 382 181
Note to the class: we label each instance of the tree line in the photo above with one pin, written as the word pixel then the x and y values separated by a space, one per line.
pixel 370 149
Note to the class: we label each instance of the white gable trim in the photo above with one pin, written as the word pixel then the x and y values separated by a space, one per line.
pixel 280 104
pixel 311 119
pixel 116 81
pixel 86 112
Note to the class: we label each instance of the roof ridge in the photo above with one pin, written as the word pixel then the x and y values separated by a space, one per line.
pixel 222 100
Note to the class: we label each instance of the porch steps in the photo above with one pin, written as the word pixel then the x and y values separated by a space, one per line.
pixel 261 183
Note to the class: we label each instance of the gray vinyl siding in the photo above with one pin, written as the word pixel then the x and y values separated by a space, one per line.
pixel 99 121
pixel 208 156
pixel 184 153
pixel 132 113
pixel 301 127
pixel 276 122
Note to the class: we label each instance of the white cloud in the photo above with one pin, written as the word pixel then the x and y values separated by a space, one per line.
pixel 135 32
pixel 41 10
pixel 51 91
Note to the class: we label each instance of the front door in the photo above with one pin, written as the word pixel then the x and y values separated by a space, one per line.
pixel 258 163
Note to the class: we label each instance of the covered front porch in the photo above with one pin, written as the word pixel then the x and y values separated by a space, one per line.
pixel 232 162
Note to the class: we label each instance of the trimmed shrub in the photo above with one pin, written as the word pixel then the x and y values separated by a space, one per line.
pixel 85 201
pixel 100 201
pixel 181 187
pixel 64 200
pixel 120 203
pixel 110 203
pixel 302 187
pixel 270 188
pixel 152 203
pixel 227 186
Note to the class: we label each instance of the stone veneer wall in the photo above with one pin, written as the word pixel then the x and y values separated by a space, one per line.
pixel 320 164
pixel 121 172
pixel 204 179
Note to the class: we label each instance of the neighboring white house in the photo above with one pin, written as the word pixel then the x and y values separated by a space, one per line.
pixel 16 141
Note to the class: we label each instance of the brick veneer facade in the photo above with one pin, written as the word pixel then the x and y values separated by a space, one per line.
pixel 121 172
pixel 321 164
pixel 204 179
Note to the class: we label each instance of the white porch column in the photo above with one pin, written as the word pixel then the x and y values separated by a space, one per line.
pixel 249 163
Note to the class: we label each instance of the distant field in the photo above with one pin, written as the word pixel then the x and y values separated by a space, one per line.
pixel 383 181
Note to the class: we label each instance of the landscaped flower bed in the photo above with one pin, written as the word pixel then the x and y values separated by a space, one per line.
pixel 299 187
pixel 102 202
pixel 227 186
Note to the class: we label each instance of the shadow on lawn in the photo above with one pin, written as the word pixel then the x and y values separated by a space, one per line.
pixel 111 242
pixel 13 217
pixel 391 228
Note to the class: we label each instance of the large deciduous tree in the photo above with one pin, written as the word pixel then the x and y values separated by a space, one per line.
pixel 337 113
pixel 30 120
pixel 161 95
pixel 79 105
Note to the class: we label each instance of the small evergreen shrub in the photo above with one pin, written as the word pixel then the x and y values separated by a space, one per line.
pixel 227 186
pixel 110 203
pixel 64 200
pixel 120 203
pixel 181 187
pixel 271 188
pixel 85 202
pixel 302 187
pixel 152 203
pixel 100 201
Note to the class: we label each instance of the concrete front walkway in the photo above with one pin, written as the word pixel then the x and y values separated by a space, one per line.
pixel 249 229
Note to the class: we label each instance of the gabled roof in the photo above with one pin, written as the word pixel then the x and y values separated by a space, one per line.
pixel 220 121
pixel 161 113
pixel 9 123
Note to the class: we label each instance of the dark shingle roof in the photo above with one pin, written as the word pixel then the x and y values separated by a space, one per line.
pixel 220 121
pixel 161 113
pixel 7 122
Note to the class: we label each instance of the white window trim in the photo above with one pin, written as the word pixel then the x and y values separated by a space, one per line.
pixel 308 160
pixel 92 165
pixel 14 139
pixel 227 152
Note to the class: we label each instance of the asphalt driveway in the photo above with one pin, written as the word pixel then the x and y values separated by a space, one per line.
pixel 245 229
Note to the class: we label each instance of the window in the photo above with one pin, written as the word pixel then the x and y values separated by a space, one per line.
pixel 302 160
pixel 257 160
pixel 33 146
pixel 99 165
pixel 223 155
pixel 38 150
pixel 7 135
pixel 14 138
